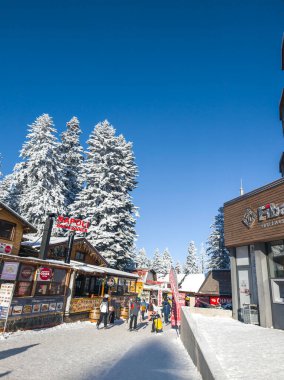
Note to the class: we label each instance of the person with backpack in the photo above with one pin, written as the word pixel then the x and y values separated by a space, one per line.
pixel 134 310
pixel 104 308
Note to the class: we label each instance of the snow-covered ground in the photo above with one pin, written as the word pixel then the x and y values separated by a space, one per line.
pixel 80 351
pixel 244 352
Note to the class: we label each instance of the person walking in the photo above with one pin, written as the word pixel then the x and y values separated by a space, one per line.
pixel 104 308
pixel 166 310
pixel 134 311
pixel 143 308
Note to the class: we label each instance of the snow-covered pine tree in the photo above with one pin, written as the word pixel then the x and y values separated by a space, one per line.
pixel 71 154
pixel 142 260
pixel 202 259
pixel 190 266
pixel 157 262
pixel 167 262
pixel 178 267
pixel 41 172
pixel 216 251
pixel 109 173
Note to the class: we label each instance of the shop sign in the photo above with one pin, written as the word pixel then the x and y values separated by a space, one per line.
pixel 139 288
pixel 266 213
pixel 176 309
pixel 45 274
pixel 72 224
pixel 160 297
pixel 26 273
pixel 111 281
pixel 78 305
pixel 5 248
pixel 6 294
pixel 10 270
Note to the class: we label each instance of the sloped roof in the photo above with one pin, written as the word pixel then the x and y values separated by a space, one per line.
pixel 54 241
pixel 217 282
pixel 29 227
pixel 189 283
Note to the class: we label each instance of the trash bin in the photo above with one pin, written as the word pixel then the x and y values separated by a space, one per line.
pixel 250 314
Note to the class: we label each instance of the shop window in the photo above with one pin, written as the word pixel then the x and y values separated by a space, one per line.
pixel 25 281
pixel 242 255
pixel 7 230
pixel 54 285
pixel 276 259
pixel 80 256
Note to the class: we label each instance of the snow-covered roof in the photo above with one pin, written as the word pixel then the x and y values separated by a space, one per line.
pixel 53 240
pixel 189 283
pixel 31 228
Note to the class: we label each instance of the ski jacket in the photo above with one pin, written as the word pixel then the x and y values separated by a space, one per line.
pixel 104 307
pixel 134 308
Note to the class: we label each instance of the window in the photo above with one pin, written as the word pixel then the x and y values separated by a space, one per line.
pixel 80 256
pixel 7 230
pixel 276 259
pixel 25 282
pixel 53 286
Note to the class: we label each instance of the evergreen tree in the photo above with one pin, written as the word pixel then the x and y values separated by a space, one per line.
pixel 39 178
pixel 167 262
pixel 178 267
pixel 142 260
pixel 202 259
pixel 190 266
pixel 109 173
pixel 217 253
pixel 71 153
pixel 157 262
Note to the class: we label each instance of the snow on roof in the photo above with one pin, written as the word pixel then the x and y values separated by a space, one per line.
pixel 53 240
pixel 24 221
pixel 189 282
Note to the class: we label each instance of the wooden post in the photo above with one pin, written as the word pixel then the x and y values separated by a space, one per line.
pixel 103 287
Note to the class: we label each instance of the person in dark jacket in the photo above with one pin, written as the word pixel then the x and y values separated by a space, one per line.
pixel 134 311
pixel 166 310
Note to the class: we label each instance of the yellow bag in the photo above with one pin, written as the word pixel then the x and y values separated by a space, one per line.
pixel 158 324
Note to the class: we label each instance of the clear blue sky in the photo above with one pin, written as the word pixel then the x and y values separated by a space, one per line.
pixel 194 84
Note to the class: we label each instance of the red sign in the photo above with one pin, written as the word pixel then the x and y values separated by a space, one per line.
pixel 176 306
pixel 45 274
pixel 72 224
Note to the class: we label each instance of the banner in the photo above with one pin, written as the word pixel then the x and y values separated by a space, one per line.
pixel 176 308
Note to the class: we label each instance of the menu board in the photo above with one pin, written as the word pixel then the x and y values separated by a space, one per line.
pixel 6 294
pixel 36 305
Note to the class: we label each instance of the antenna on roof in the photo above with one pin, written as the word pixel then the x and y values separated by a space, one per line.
pixel 241 189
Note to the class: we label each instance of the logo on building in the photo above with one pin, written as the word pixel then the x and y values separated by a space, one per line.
pixel 249 218
pixel 264 215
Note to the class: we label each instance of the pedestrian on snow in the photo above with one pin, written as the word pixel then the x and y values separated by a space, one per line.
pixel 166 310
pixel 143 309
pixel 134 311
pixel 104 308
pixel 111 315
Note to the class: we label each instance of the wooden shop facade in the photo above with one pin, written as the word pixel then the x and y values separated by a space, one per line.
pixel 50 291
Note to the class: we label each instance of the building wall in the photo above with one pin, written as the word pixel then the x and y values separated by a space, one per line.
pixel 237 233
pixel 17 238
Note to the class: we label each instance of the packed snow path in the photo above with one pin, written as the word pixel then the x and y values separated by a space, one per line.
pixel 80 351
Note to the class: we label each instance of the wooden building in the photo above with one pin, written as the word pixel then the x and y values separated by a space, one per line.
pixel 215 290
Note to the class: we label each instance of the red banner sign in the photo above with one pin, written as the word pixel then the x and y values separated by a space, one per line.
pixel 72 224
pixel 176 307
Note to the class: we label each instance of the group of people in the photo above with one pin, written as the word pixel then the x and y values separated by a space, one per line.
pixel 107 313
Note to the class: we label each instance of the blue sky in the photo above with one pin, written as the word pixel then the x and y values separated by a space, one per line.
pixel 194 84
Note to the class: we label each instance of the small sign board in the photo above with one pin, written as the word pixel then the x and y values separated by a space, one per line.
pixel 10 270
pixel 6 294
pixel 5 248
pixel 72 224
